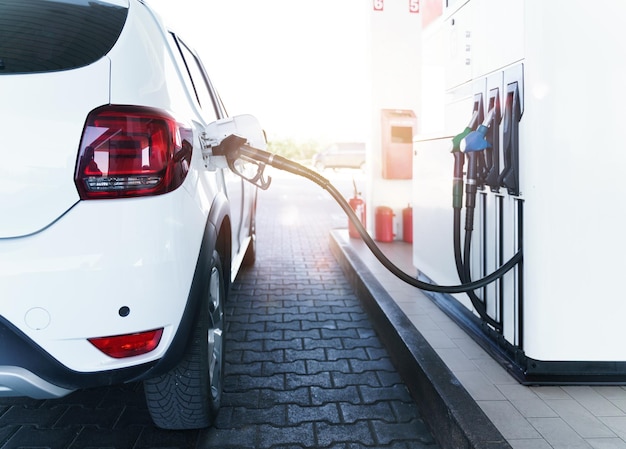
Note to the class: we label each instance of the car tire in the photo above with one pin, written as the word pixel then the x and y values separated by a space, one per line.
pixel 189 396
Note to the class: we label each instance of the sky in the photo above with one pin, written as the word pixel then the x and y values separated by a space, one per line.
pixel 299 66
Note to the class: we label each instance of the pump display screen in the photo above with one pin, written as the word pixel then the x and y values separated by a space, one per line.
pixel 401 134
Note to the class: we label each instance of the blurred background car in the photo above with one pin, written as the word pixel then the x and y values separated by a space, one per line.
pixel 341 155
pixel 117 245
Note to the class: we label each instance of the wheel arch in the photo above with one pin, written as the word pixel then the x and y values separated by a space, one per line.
pixel 217 237
pixel 220 217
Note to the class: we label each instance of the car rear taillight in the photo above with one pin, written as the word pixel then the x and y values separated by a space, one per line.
pixel 129 345
pixel 129 151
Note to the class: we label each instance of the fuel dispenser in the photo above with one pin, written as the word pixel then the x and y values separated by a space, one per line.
pixel 540 262
pixel 486 230
pixel 557 317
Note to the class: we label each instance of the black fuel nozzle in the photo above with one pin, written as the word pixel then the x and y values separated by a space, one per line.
pixel 236 150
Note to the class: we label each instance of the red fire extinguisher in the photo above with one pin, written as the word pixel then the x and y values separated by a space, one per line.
pixel 407 224
pixel 358 206
pixel 384 224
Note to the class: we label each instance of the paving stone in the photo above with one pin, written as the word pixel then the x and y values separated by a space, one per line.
pixel 45 437
pixel 104 418
pixel 301 434
pixel 370 343
pixel 308 380
pixel 318 354
pixel 396 392
pixel 31 415
pixel 388 432
pixel 332 366
pixel 275 415
pixel 299 396
pixel 321 396
pixel 357 412
pixel 342 379
pixel 297 367
pixel 328 434
pixel 327 413
pixel 107 439
pixel 230 438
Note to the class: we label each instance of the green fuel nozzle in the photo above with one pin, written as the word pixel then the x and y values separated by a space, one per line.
pixel 459 161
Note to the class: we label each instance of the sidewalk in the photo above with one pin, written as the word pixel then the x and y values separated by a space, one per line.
pixel 464 380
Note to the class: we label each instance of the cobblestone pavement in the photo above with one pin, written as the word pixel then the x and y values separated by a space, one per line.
pixel 304 367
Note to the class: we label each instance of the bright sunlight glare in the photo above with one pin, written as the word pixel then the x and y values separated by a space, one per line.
pixel 300 67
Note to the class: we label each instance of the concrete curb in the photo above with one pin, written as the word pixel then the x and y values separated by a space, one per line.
pixel 454 418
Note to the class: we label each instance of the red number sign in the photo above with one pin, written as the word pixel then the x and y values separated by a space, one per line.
pixel 379 5
pixel 414 6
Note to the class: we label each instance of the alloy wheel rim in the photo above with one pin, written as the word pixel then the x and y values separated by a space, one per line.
pixel 215 333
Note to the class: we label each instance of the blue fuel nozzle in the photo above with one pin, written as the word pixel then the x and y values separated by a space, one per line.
pixel 475 141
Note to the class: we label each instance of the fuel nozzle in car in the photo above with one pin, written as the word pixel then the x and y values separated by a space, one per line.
pixel 223 146
pixel 238 153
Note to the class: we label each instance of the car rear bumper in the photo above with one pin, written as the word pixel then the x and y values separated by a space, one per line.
pixel 71 282
pixel 15 381
pixel 27 370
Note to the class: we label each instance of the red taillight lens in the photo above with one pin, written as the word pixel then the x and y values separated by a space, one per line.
pixel 129 151
pixel 129 345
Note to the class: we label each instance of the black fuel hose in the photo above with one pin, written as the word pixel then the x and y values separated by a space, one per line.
pixel 463 270
pixel 234 147
pixel 462 260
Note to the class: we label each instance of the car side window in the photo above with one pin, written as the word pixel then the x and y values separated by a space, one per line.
pixel 196 81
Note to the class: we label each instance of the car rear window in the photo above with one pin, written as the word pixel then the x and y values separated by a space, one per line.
pixel 51 35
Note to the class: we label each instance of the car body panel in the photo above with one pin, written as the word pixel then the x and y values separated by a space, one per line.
pixel 39 139
pixel 62 291
pixel 143 69
pixel 69 266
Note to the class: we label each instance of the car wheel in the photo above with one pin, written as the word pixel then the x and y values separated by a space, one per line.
pixel 189 396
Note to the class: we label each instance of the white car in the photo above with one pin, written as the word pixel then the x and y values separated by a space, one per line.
pixel 117 244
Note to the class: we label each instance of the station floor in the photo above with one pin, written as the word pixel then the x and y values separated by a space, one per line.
pixel 528 417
